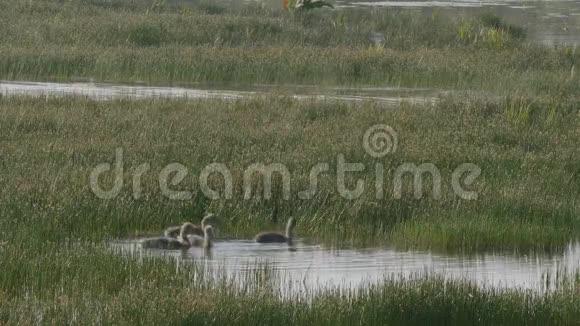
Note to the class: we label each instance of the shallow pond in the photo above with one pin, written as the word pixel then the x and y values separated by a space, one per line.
pixel 310 267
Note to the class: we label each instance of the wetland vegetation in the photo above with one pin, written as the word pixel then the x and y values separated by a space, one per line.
pixel 164 43
pixel 50 217
pixel 516 117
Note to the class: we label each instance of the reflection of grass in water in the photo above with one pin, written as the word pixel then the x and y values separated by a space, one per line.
pixel 85 284
pixel 126 41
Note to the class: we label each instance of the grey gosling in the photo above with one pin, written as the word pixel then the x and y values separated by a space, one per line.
pixel 173 231
pixel 205 242
pixel 168 243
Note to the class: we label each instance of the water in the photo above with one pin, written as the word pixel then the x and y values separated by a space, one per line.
pixel 551 23
pixel 100 91
pixel 311 267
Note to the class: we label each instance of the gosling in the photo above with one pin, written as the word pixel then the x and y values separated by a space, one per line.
pixel 167 243
pixel 205 242
pixel 173 231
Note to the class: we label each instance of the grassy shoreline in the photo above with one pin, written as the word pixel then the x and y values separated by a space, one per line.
pixel 456 69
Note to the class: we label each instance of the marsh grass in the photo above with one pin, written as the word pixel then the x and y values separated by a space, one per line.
pixel 57 269
pixel 165 43
pixel 526 190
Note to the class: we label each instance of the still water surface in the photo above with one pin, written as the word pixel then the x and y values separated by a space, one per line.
pixel 311 267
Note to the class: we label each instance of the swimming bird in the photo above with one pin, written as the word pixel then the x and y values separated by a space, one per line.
pixel 207 220
pixel 173 231
pixel 168 243
pixel 275 237
pixel 206 241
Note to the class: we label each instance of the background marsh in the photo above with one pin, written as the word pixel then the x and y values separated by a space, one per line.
pixel 126 41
